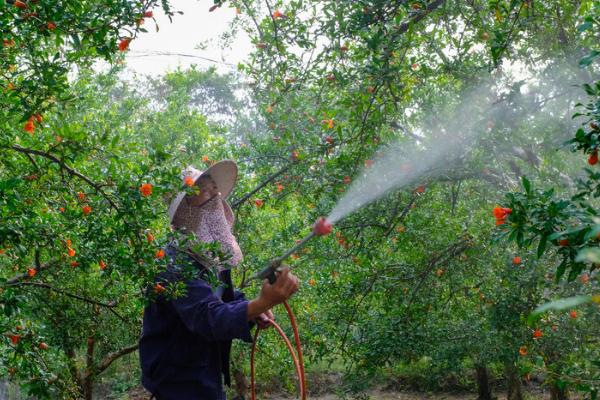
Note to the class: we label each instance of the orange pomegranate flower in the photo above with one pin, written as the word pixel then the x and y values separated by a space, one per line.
pixel 31 272
pixel 537 334
pixel 86 209
pixel 189 181
pixel 279 188
pixel 593 158
pixel 160 253
pixel 14 339
pixel 124 44
pixel 158 288
pixel 148 14
pixel 74 264
pixel 312 282
pixel 102 264
pixel 20 4
pixel 146 189
pixel 149 237
pixel 523 351
pixel 205 159
pixel 516 260
pixel 51 26
pixel 258 203
pixel 278 14
pixel 29 127
pixel 573 314
pixel 80 196
pixel 71 252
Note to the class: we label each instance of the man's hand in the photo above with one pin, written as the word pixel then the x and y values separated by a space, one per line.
pixel 264 320
pixel 271 295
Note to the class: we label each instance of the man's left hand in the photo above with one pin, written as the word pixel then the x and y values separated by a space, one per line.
pixel 264 320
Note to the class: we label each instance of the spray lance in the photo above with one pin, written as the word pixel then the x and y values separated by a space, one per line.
pixel 321 227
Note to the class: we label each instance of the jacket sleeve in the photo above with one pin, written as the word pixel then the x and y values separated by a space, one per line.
pixel 207 316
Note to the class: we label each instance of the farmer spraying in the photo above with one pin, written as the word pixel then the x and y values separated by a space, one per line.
pixel 185 343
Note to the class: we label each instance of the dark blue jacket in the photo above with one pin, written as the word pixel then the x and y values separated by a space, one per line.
pixel 185 343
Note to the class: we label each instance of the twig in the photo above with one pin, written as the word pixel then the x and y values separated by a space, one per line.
pixel 64 166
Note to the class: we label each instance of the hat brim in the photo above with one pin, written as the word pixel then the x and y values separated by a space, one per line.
pixel 224 173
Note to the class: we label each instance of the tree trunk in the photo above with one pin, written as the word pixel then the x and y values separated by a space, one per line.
pixel 557 393
pixel 513 382
pixel 483 383
pixel 88 381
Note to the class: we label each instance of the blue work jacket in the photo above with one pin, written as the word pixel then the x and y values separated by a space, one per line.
pixel 185 343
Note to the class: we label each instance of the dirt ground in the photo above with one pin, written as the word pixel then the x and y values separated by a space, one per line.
pixel 140 394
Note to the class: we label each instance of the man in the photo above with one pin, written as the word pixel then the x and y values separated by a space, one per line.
pixel 185 343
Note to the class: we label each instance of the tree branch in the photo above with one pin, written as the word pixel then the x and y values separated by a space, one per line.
pixel 111 357
pixel 271 178
pixel 70 170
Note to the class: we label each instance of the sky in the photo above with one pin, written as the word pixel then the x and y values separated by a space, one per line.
pixel 176 44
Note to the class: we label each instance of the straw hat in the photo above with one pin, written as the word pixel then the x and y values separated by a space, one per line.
pixel 224 173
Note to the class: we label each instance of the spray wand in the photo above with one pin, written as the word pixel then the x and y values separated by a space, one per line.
pixel 321 227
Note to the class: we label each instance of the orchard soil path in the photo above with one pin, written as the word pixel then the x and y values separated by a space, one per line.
pixel 375 394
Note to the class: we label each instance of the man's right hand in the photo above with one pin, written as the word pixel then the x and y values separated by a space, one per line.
pixel 272 294
pixel 283 288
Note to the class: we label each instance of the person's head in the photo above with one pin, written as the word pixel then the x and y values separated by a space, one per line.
pixel 207 190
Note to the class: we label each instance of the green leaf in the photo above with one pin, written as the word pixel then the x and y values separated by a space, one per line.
pixel 526 185
pixel 542 246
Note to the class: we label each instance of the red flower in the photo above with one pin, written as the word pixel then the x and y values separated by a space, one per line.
pixel 14 338
pixel 278 14
pixel 347 179
pixel 29 127
pixel 258 203
pixel 523 351
pixel 501 213
pixel 563 242
pixel 205 159
pixel 80 196
pixel 368 163
pixel 189 181
pixel 516 260
pixel 74 264
pixel 20 4
pixel 329 139
pixel 102 264
pixel 573 314
pixel 146 189
pixel 71 252
pixel 158 288
pixel 148 14
pixel 51 26
pixel 31 272
pixel 279 188
pixel 38 118
pixel 593 158
pixel 149 237
pixel 9 42
pixel 43 346
pixel 160 253
pixel 312 282
pixel 537 334
pixel 86 209
pixel 124 44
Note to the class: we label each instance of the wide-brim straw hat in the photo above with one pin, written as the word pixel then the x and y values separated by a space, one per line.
pixel 224 173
